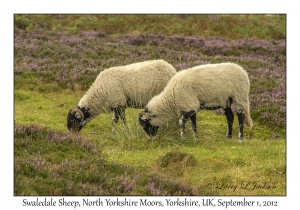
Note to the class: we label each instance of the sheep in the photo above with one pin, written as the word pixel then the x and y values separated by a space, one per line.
pixel 119 87
pixel 210 86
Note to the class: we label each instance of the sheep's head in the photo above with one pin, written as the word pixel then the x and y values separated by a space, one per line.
pixel 144 119
pixel 77 118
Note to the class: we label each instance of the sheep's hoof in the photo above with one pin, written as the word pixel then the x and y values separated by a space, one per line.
pixel 183 137
pixel 240 141
pixel 229 137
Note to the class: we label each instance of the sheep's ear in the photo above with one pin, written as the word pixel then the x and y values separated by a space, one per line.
pixel 77 113
pixel 144 115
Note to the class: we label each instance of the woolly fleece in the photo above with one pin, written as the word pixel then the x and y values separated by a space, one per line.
pixel 207 85
pixel 136 83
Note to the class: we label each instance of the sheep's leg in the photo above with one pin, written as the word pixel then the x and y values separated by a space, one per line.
pixel 241 118
pixel 122 114
pixel 182 121
pixel 194 126
pixel 118 113
pixel 115 119
pixel 229 116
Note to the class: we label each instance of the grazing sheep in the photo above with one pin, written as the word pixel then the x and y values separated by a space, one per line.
pixel 210 87
pixel 119 87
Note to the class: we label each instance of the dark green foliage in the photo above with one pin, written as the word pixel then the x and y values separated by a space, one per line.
pixel 22 22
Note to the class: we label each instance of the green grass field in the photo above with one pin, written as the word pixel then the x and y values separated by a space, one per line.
pixel 55 65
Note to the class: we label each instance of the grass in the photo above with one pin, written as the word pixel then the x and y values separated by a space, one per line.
pixel 227 26
pixel 58 57
pixel 216 161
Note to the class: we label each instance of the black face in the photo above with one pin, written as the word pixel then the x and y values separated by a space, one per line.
pixel 150 130
pixel 75 121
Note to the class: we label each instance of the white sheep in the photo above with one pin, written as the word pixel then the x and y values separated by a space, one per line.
pixel 210 86
pixel 119 87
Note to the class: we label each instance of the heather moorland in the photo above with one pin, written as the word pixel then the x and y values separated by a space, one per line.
pixel 57 58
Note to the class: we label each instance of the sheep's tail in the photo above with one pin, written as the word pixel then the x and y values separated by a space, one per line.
pixel 248 120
